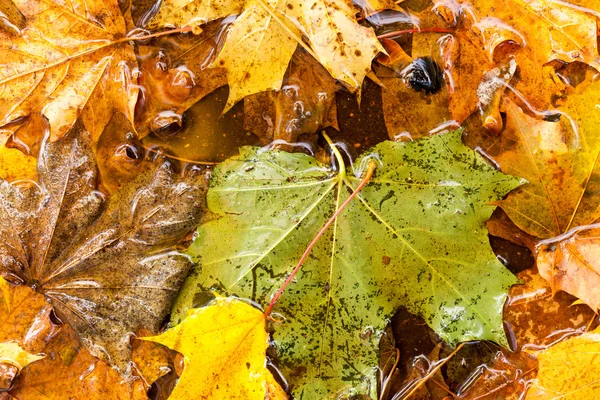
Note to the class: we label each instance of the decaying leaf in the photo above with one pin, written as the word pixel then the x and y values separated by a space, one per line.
pixel 111 267
pixel 67 371
pixel 432 256
pixel 262 39
pixel 224 345
pixel 257 51
pixel 569 370
pixel 531 33
pixel 547 30
pixel 65 64
pixel 305 104
pixel 537 318
pixel 417 84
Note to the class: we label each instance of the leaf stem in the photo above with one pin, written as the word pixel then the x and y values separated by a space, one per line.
pixel 338 156
pixel 414 30
pixel 363 182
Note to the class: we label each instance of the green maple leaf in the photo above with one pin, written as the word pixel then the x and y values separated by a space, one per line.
pixel 414 237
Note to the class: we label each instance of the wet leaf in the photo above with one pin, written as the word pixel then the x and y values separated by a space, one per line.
pixel 433 257
pixel 14 165
pixel 176 75
pixel 67 370
pixel 428 103
pixel 109 267
pixel 569 370
pixel 554 157
pixel 536 317
pixel 12 353
pixel 63 66
pixel 504 377
pixel 257 51
pixel 572 263
pixel 262 39
pixel 224 345
pixel 532 33
pixel 305 104
pixel 546 29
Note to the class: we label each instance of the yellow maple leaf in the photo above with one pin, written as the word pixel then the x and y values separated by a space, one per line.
pixel 12 353
pixel 257 51
pixel 68 61
pixel 224 347
pixel 569 370
pixel 261 41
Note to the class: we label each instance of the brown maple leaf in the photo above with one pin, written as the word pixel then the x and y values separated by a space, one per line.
pixel 109 267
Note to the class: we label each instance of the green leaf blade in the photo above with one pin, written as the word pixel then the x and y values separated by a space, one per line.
pixel 414 237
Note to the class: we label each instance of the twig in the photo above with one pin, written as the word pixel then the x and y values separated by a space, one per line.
pixel 365 180
pixel 414 30
pixel 433 371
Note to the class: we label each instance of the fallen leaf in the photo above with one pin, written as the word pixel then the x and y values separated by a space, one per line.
pixel 371 6
pixel 224 345
pixel 571 263
pixel 304 105
pixel 341 45
pixel 111 267
pixel 549 30
pixel 430 257
pixel 67 370
pixel 504 377
pixel 10 17
pixel 12 353
pixel 175 75
pixel 569 370
pixel 194 12
pixel 119 154
pixel 257 50
pixel 554 157
pixel 533 33
pixel 429 107
pixel 262 39
pixel 537 318
pixel 66 63
pixel 15 165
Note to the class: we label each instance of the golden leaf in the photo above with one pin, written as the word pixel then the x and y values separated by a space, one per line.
pixel 344 47
pixel 65 64
pixel 569 370
pixel 257 51
pixel 224 346
pixel 68 371
pixel 261 41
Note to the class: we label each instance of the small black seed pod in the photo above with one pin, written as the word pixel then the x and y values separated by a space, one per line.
pixel 424 74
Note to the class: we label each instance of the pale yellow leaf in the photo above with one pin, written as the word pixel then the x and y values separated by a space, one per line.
pixel 343 46
pixel 195 12
pixel 224 346
pixel 257 51
pixel 14 354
